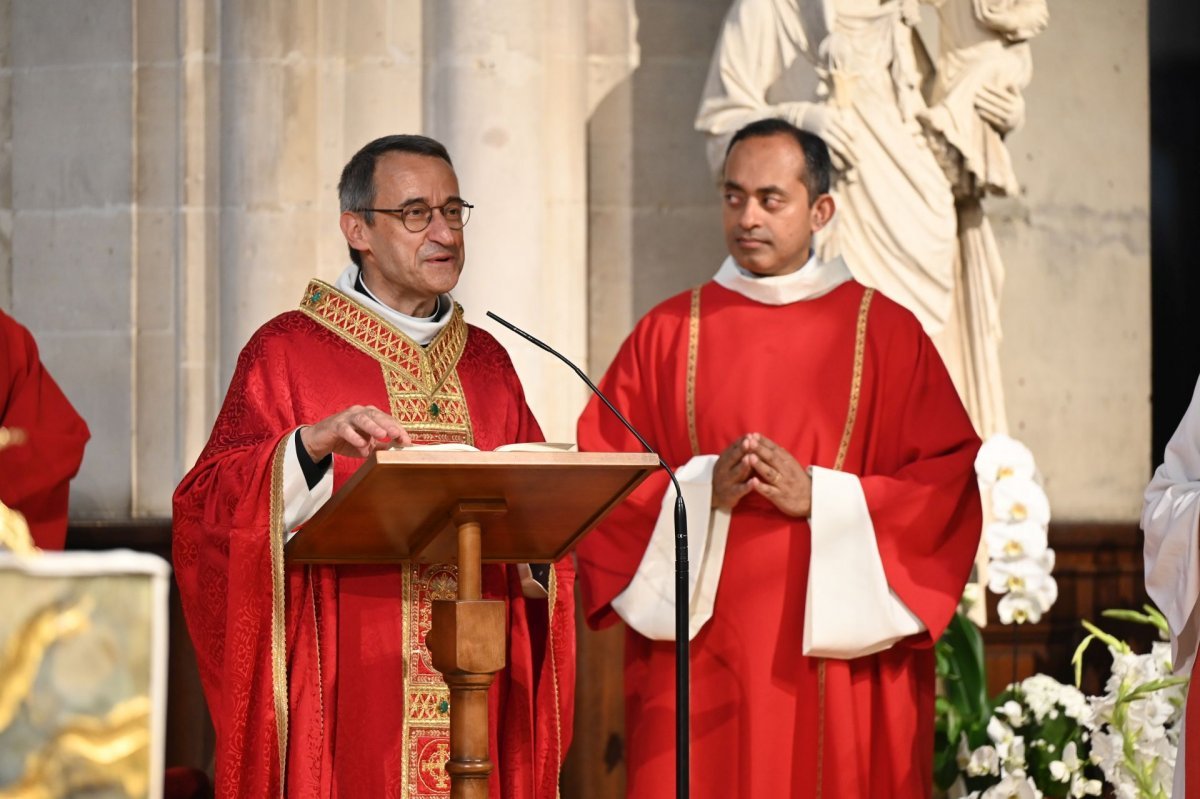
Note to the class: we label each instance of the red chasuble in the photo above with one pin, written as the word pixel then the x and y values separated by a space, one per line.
pixel 34 475
pixel 765 719
pixel 321 673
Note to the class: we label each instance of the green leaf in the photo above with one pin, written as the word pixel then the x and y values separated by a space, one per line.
pixel 1111 640
pixel 1077 658
pixel 966 683
pixel 1152 686
pixel 1126 615
pixel 1158 620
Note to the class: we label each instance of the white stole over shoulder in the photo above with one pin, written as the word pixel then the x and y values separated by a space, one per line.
pixel 851 611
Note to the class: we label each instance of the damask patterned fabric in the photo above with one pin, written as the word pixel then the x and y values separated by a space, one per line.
pixel 766 720
pixel 35 474
pixel 347 690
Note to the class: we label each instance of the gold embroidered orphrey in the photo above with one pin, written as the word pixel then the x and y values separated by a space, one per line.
pixel 860 345
pixel 426 396
pixel 422 382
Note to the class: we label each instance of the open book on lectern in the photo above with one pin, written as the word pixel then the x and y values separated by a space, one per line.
pixel 534 501
pixel 527 446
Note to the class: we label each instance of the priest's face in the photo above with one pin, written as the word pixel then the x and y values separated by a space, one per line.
pixel 406 270
pixel 769 218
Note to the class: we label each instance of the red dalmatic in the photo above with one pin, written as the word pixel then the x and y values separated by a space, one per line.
pixel 34 474
pixel 319 673
pixel 765 719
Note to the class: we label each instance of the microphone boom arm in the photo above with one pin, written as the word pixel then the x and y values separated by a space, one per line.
pixel 682 659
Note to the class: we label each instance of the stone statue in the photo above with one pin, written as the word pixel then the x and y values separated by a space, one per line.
pixel 911 169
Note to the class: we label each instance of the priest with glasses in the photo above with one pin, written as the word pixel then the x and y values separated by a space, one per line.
pixel 317 677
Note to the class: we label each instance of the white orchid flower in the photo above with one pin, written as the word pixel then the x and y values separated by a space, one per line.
pixel 1002 457
pixel 1012 712
pixel 1025 575
pixel 1015 540
pixel 1000 733
pixel 1019 499
pixel 1063 770
pixel 972 595
pixel 1013 787
pixel 963 756
pixel 1019 608
pixel 984 762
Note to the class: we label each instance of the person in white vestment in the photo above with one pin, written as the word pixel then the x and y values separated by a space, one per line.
pixel 1171 521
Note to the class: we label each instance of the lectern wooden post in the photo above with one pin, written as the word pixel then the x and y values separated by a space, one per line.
pixel 441 506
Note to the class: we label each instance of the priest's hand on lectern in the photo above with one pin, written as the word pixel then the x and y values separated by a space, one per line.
pixel 357 432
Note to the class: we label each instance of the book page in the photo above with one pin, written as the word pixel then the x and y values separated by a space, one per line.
pixel 446 447
pixel 538 446
pixel 528 446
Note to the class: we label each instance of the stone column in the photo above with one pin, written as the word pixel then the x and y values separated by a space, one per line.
pixel 73 273
pixel 6 204
pixel 1076 249
pixel 198 246
pixel 269 186
pixel 505 92
pixel 303 86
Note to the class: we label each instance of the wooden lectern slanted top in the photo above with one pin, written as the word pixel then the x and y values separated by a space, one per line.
pixel 450 506
pixel 400 505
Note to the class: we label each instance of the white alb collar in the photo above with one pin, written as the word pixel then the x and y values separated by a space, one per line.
pixel 814 279
pixel 419 330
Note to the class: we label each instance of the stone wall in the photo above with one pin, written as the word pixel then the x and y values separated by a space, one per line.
pixel 1076 354
pixel 168 173
pixel 1076 246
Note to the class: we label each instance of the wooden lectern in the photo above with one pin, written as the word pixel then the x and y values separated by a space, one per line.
pixel 442 506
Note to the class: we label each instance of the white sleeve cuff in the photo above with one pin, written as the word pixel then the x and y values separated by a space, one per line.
pixel 530 587
pixel 299 502
pixel 850 611
pixel 648 603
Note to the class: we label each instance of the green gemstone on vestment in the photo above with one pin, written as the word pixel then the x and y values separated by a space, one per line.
pixel 434 409
pixel 443 707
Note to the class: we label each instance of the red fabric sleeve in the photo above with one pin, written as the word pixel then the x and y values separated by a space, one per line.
pixel 34 476
pixel 638 383
pixel 920 480
pixel 221 552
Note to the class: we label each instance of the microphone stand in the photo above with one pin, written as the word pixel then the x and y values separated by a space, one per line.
pixel 682 678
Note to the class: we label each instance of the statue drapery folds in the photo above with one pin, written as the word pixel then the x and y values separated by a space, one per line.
pixel 912 166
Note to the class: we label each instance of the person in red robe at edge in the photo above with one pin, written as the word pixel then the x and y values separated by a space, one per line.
pixel 317 678
pixel 45 438
pixel 833 514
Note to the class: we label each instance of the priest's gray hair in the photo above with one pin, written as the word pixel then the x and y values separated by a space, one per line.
pixel 818 169
pixel 356 189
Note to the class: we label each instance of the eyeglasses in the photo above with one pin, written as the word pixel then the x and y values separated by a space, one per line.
pixel 416 216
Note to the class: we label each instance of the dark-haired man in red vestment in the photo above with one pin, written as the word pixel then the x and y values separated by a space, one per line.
pixel 318 678
pixel 47 437
pixel 827 464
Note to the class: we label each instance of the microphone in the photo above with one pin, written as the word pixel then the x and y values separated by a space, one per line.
pixel 682 696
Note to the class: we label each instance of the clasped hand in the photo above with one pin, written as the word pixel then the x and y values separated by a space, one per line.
pixel 756 463
pixel 356 432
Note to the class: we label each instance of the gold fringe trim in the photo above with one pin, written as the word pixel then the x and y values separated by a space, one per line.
pixel 551 602
pixel 422 383
pixel 312 603
pixel 279 679
pixel 860 348
pixel 692 358
pixel 427 367
pixel 820 726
